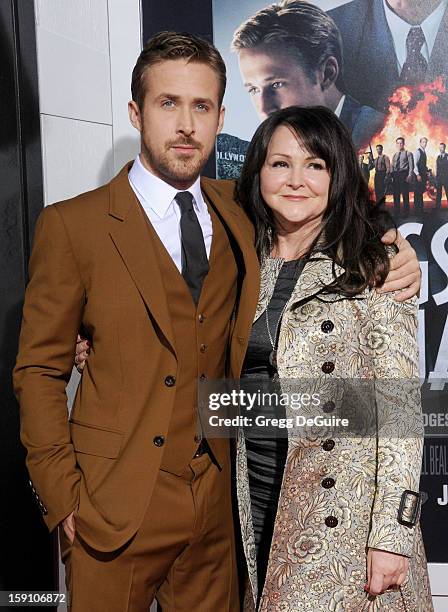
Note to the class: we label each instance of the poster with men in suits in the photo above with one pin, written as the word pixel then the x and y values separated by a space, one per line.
pixel 382 67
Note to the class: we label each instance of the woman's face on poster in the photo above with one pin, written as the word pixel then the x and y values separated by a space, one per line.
pixel 294 184
pixel 274 79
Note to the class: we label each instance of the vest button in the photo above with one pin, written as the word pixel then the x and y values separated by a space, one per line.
pixel 329 406
pixel 331 521
pixel 170 381
pixel 202 348
pixel 327 327
pixel 201 318
pixel 328 445
pixel 159 441
pixel 328 367
pixel 328 483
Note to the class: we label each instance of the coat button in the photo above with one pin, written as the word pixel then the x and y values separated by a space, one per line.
pixel 202 348
pixel 201 318
pixel 197 438
pixel 159 441
pixel 202 377
pixel 328 367
pixel 327 327
pixel 329 406
pixel 328 445
pixel 170 381
pixel 328 483
pixel 331 521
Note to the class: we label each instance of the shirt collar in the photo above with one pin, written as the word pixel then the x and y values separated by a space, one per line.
pixel 338 109
pixel 158 195
pixel 399 28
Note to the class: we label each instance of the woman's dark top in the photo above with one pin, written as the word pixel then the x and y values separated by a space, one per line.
pixel 266 457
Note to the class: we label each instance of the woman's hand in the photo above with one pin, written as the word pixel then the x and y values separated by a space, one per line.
pixel 404 271
pixel 384 570
pixel 82 352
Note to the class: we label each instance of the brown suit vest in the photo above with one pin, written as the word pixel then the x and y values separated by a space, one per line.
pixel 201 336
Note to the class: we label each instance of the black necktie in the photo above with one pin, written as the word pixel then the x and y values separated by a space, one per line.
pixel 194 255
pixel 415 66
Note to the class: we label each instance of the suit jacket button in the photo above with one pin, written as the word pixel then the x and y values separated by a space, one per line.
pixel 327 327
pixel 328 483
pixel 329 406
pixel 170 381
pixel 331 521
pixel 328 445
pixel 159 441
pixel 201 318
pixel 202 348
pixel 197 438
pixel 202 377
pixel 328 367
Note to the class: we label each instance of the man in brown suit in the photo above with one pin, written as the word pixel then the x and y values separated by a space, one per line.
pixel 145 504
pixel 166 286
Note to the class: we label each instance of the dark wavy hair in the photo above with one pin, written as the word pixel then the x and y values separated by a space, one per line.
pixel 353 223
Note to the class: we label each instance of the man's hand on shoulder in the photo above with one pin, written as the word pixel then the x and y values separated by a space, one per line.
pixel 404 275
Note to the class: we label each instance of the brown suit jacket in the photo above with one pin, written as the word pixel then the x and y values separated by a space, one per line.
pixel 93 266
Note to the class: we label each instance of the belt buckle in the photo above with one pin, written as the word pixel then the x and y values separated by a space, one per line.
pixel 409 509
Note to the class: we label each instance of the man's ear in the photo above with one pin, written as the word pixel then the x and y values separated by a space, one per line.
pixel 134 115
pixel 222 112
pixel 329 72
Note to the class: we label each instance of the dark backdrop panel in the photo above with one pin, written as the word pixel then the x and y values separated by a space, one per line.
pixel 193 16
pixel 27 550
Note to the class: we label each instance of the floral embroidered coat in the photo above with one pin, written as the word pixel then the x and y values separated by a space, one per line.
pixel 317 560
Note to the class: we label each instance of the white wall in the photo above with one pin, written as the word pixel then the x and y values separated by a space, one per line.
pixel 86 50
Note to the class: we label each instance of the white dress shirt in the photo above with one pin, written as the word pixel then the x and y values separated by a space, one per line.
pixel 399 28
pixel 338 109
pixel 157 200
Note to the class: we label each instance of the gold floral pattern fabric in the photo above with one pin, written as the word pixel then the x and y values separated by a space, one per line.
pixel 314 567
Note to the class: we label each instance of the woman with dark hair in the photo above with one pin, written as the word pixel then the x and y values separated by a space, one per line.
pixel 329 523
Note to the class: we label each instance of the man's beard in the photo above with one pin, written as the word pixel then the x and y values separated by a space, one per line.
pixel 174 169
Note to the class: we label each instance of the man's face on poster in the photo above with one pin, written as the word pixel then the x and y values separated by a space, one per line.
pixel 274 79
pixel 413 11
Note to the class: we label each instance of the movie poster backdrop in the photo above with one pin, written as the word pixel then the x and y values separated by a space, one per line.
pixel 389 81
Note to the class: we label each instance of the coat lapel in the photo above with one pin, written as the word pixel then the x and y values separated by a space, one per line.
pixel 383 49
pixel 131 237
pixel 438 59
pixel 316 274
pixel 242 231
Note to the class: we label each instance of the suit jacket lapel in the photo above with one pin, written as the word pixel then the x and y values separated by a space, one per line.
pixel 132 239
pixel 242 231
pixel 438 59
pixel 376 48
